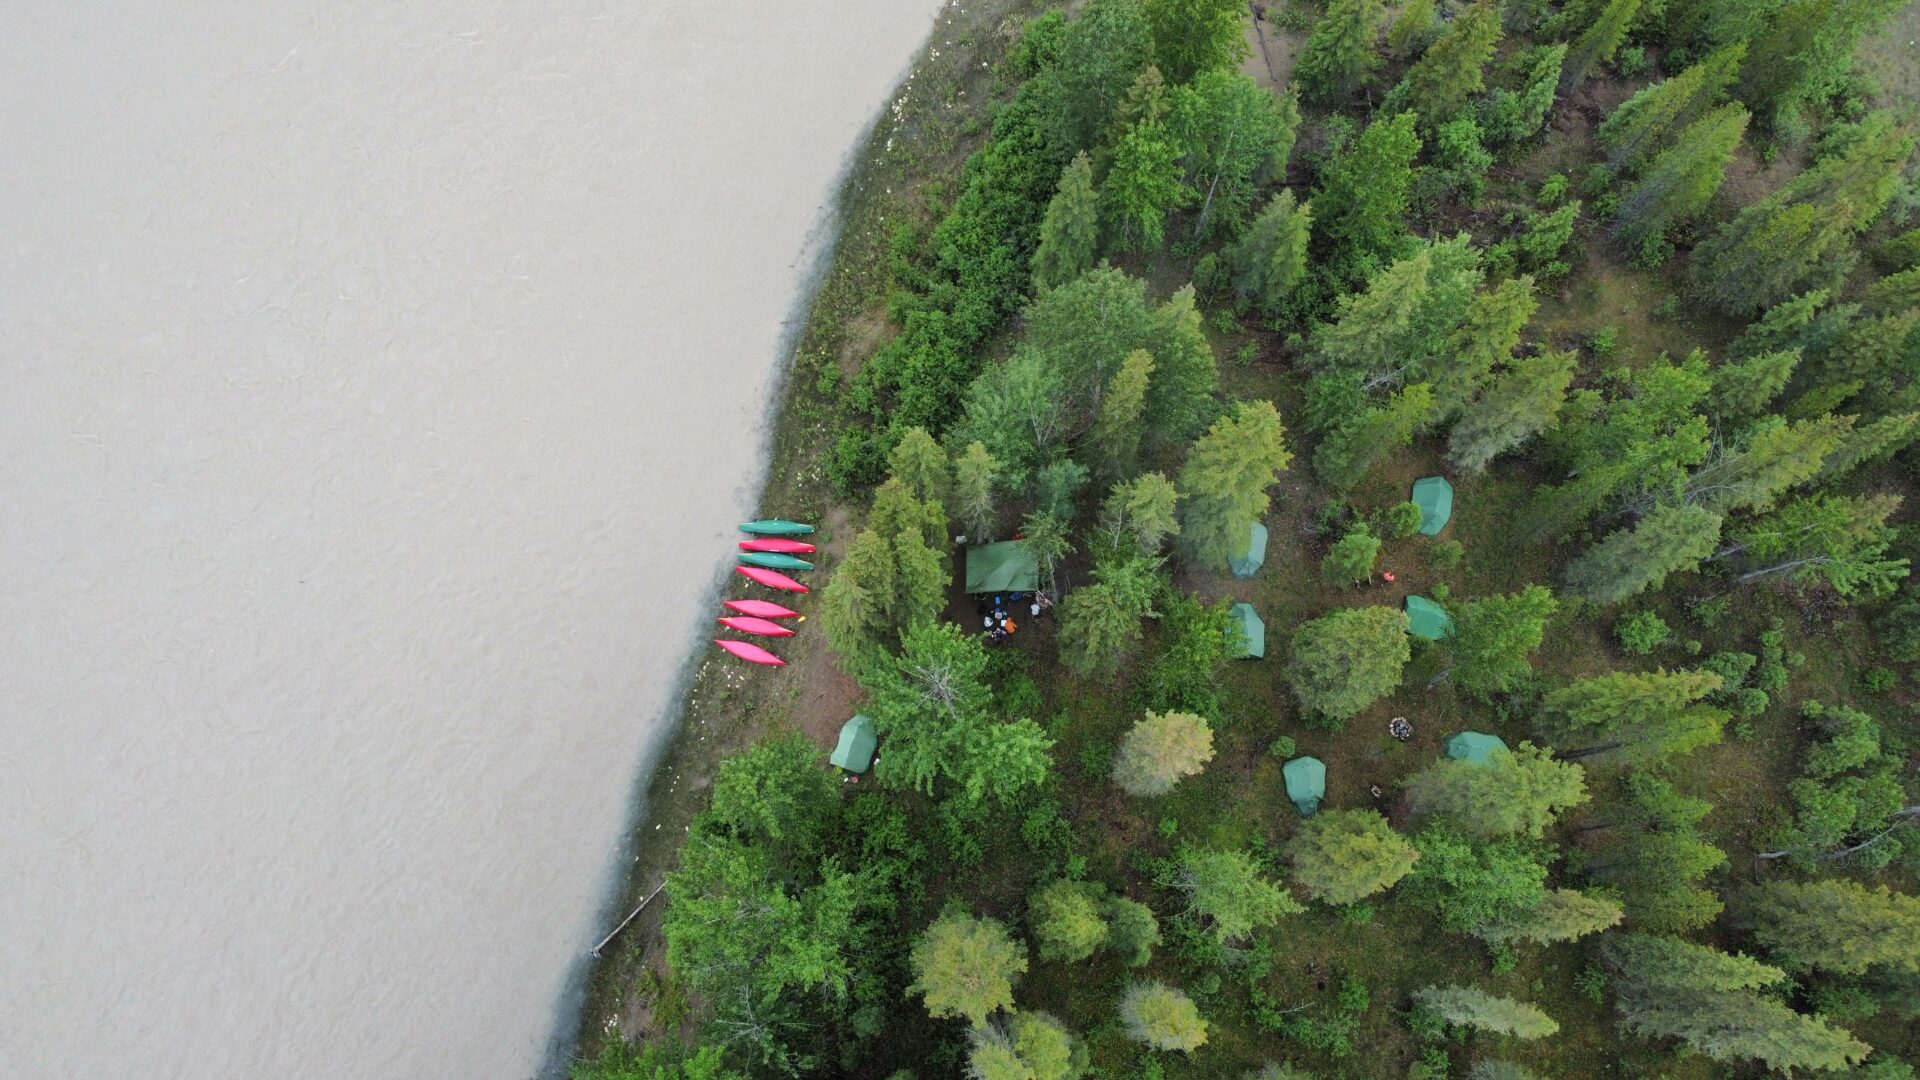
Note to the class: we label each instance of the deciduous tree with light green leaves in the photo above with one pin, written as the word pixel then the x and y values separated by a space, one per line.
pixel 1345 856
pixel 1518 792
pixel 1070 230
pixel 1344 661
pixel 1668 540
pixel 1161 1017
pixel 1466 1006
pixel 966 966
pixel 1225 480
pixel 1066 919
pixel 1493 636
pixel 1340 54
pixel 1159 750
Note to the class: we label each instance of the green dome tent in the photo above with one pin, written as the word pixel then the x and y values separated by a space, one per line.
pixel 1007 566
pixel 1253 632
pixel 857 739
pixel 1473 746
pixel 1306 783
pixel 1434 496
pixel 1427 619
pixel 1243 566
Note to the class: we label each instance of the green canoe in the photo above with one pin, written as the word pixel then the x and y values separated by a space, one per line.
pixel 776 527
pixel 773 561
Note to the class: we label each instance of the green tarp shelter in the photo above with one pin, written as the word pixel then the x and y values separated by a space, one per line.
pixel 1306 783
pixel 1427 619
pixel 1253 632
pixel 1004 567
pixel 1434 496
pixel 857 738
pixel 1473 746
pixel 1243 566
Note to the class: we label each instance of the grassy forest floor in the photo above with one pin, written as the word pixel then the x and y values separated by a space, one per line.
pixel 1322 956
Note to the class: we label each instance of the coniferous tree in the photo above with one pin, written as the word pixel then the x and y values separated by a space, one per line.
pixel 1513 116
pixel 1362 200
pixel 1270 261
pixel 1374 331
pixel 1870 350
pixel 1070 230
pixel 1511 792
pixel 1453 69
pixel 1784 326
pixel 1180 399
pixel 1018 411
pixel 1143 185
pixel 1100 623
pixel 1351 557
pixel 966 967
pixel 1837 541
pixel 1564 915
pixel 1494 320
pixel 1649 122
pixel 1340 53
pixel 1100 53
pixel 1344 661
pixel 1142 509
pixel 1642 716
pixel 1667 540
pixel 1413 29
pixel 974 475
pixel 1162 1017
pixel 1511 408
pixel 1597 45
pixel 1345 457
pixel 1345 856
pixel 1225 479
pixel 1233 135
pixel 1656 857
pixel 1803 49
pixel 1159 750
pixel 1492 638
pixel 1893 294
pixel 1084 330
pixel 1132 931
pixel 920 466
pixel 1114 442
pixel 1679 182
pixel 1465 1006
pixel 1744 388
pixel 1871 442
pixel 1226 893
pixel 1834 925
pixel 1067 920
pixel 856 612
pixel 1775 459
pixel 1195 36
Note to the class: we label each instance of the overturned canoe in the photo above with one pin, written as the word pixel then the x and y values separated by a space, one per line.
pixel 776 527
pixel 765 609
pixel 784 547
pixel 771 579
pixel 774 561
pixel 747 624
pixel 748 651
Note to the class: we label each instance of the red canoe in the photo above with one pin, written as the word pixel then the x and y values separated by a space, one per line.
pixel 777 546
pixel 747 624
pixel 765 609
pixel 771 579
pixel 748 651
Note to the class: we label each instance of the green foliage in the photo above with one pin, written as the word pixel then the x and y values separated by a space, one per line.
pixel 658 1060
pixel 1339 55
pixel 1492 638
pixel 895 573
pixel 1744 388
pixel 1067 920
pixel 1642 632
pixel 966 967
pixel 1225 479
pixel 1140 512
pixel 1414 28
pixel 1638 716
pixel 1651 120
pixel 1361 203
pixel 975 475
pixel 1143 185
pixel 1070 229
pixel 1655 856
pixel 1627 563
pixel 1472 883
pixel 1195 36
pixel 1511 407
pixel 1466 1006
pixel 775 793
pixel 1162 1017
pixel 1519 792
pixel 1132 931
pixel 1563 915
pixel 1233 136
pixel 1510 116
pixel 1351 558
pixel 1679 183
pixel 1402 519
pixel 1597 44
pixel 1348 659
pixel 1831 540
pixel 1545 238
pixel 1452 70
pixel 1194 637
pixel 1270 261
pixel 1445 555
pixel 1346 455
pixel 1159 750
pixel 1344 856
pixel 1803 51
pixel 1226 893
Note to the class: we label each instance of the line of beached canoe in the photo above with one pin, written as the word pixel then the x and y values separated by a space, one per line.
pixel 770 551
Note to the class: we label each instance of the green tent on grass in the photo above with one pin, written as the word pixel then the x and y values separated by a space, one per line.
pixel 1003 567
pixel 1473 746
pixel 857 739
pixel 1253 632
pixel 1434 496
pixel 1306 783
pixel 1243 566
pixel 1427 619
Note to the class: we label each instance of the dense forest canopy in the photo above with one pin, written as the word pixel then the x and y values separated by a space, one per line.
pixel 1639 280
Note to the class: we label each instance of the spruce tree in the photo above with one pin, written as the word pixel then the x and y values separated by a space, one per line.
pixel 1225 891
pixel 1233 135
pixel 1413 29
pixel 1743 389
pixel 1114 443
pixel 1775 459
pixel 1649 122
pixel 1270 261
pixel 1513 116
pixel 1142 510
pixel 1597 45
pixel 1679 182
pixel 1893 294
pixel 1345 661
pixel 1803 50
pixel 1628 562
pixel 1070 229
pixel 1195 36
pixel 1782 328
pixel 1643 716
pixel 1466 1006
pixel 1564 915
pixel 1345 856
pixel 1871 442
pixel 1100 623
pixel 1513 406
pixel 1351 557
pixel 1485 338
pixel 1453 69
pixel 1492 638
pixel 974 475
pixel 1345 457
pixel 1067 920
pixel 1655 857
pixel 1870 350
pixel 1517 792
pixel 856 612
pixel 1373 332
pixel 920 465
pixel 1143 186
pixel 1362 200
pixel 1835 925
pixel 1340 53
pixel 1225 479
pixel 1180 395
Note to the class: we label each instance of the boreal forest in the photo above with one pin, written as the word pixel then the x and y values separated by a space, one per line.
pixel 1373 541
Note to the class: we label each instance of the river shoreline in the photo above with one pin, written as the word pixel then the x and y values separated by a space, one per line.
pixel 914 150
